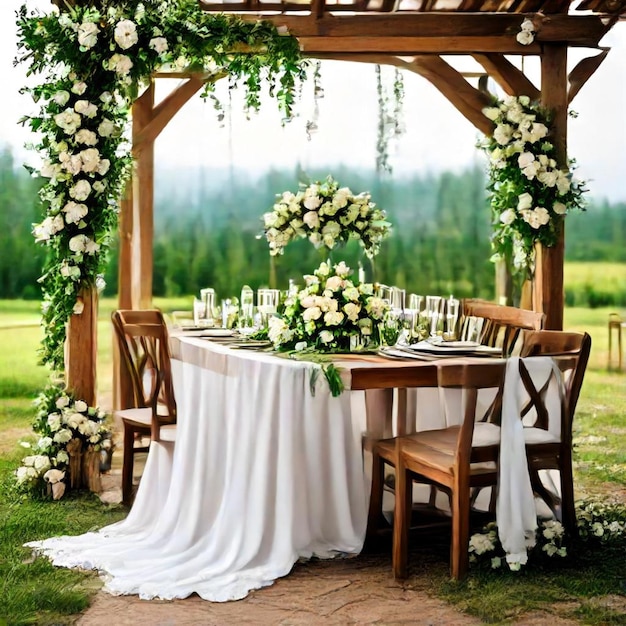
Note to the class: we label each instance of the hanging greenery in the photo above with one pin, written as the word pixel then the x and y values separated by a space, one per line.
pixel 390 126
pixel 92 62
pixel 529 191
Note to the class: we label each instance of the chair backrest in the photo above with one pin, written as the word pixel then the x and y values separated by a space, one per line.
pixel 144 349
pixel 571 351
pixel 502 326
pixel 471 379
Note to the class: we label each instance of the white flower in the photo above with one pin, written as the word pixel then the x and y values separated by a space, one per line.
pixel 41 463
pixel 54 421
pixel 62 402
pixel 125 34
pixel 50 226
pixel 68 120
pixel 352 311
pixel 537 217
pixel 334 283
pixel 61 97
pixel 311 219
pixel 503 133
pixel 103 166
pixel 326 336
pixel 74 212
pixel 63 457
pixel 508 216
pixel 158 44
pixel 88 34
pixel 525 37
pixel 492 113
pixel 80 191
pixel 44 443
pixel 333 318
pixel 88 137
pixel 563 183
pixel 524 201
pixel 312 313
pixel 54 476
pixel 86 108
pixel 79 87
pixel 80 406
pixel 62 436
pixel 525 159
pixel 106 128
pixel 25 474
pixel 120 63
pixel 90 159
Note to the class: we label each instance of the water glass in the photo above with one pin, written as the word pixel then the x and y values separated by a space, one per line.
pixel 267 304
pixel 246 309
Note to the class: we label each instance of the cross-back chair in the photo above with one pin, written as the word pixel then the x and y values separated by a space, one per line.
pixel 145 361
pixel 554 451
pixel 498 325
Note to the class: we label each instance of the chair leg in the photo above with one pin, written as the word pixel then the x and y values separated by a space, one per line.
pixel 127 465
pixel 401 522
pixel 568 508
pixel 376 495
pixel 459 556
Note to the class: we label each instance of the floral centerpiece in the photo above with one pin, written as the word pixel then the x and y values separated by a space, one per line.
pixel 325 214
pixel 331 314
pixel 530 193
pixel 68 429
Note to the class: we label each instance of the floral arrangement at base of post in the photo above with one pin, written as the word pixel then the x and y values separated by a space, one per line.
pixel 598 524
pixel 529 191
pixel 71 436
pixel 327 215
pixel 331 314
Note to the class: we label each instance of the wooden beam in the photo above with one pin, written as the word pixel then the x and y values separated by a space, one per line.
pixel 407 46
pixel 125 234
pixel 508 76
pixel 548 292
pixel 446 31
pixel 583 72
pixel 160 116
pixel 81 350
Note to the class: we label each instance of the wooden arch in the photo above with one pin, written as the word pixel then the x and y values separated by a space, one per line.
pixel 415 35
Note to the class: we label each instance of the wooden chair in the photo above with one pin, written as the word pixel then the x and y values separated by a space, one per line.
pixel 502 326
pixel 452 459
pixel 554 452
pixel 145 360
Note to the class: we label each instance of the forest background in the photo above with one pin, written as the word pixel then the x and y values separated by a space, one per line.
pixel 208 223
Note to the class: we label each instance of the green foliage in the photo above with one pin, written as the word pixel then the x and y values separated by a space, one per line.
pixel 93 60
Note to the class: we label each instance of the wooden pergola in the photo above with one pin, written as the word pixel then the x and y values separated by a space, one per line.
pixel 414 35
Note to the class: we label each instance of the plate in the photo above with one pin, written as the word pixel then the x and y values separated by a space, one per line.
pixel 442 349
pixel 458 344
pixel 211 332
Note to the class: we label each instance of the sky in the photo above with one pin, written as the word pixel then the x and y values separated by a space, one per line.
pixel 437 137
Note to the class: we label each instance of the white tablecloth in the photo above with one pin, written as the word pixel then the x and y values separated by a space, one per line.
pixel 263 473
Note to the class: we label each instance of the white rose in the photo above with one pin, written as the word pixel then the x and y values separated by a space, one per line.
pixel 351 293
pixel 41 463
pixel 81 190
pixel 61 97
pixel 524 201
pixel 530 171
pixel 311 219
pixel 563 183
pixel 44 443
pixel 158 44
pixel 62 402
pixel 341 269
pixel 525 37
pixel 333 318
pixel 86 108
pixel 507 217
pixel 125 34
pixel 74 212
pixel 88 34
pixel 326 336
pixel 312 313
pixel 68 120
pixel 312 202
pixel 106 97
pixel 334 283
pixel 63 457
pixel 80 406
pixel 79 87
pixel 90 159
pixel 559 208
pixel 352 311
pixel 492 113
pixel 88 137
pixel 366 326
pixel 503 133
pixel 62 436
pixel 106 128
pixel 525 159
pixel 332 229
pixel 538 131
pixel 78 243
pixel 103 166
pixel 120 63
pixel 91 247
pixel 527 25
pixel 548 178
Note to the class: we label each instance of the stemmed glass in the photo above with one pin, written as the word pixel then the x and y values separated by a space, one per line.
pixel 267 304
pixel 452 315
pixel 433 313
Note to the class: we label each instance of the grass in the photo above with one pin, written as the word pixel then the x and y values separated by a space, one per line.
pixel 582 588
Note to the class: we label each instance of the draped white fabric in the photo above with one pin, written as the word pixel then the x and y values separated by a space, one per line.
pixel 516 512
pixel 262 473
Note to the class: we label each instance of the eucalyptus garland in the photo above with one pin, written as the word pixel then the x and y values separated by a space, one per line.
pixel 93 61
pixel 390 106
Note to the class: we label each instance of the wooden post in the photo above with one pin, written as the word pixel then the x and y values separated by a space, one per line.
pixel 548 293
pixel 80 356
